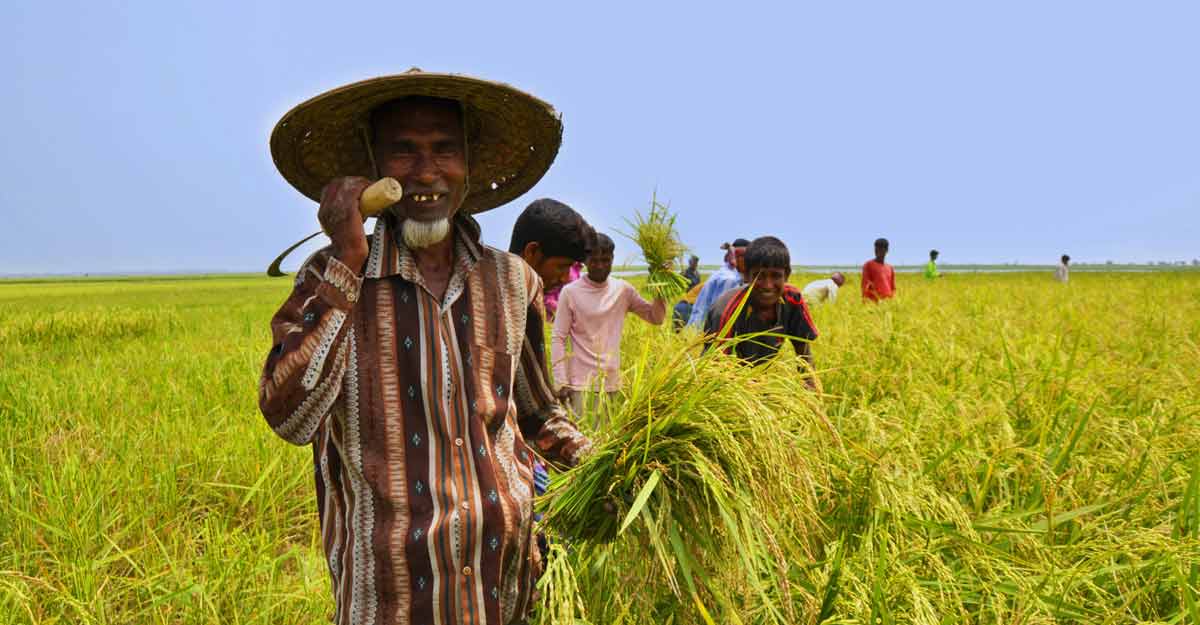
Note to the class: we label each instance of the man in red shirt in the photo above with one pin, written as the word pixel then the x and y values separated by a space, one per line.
pixel 878 277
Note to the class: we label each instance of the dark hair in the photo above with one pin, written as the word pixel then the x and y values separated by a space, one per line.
pixel 1066 259
pixel 602 243
pixel 767 253
pixel 740 242
pixel 933 253
pixel 881 242
pixel 555 227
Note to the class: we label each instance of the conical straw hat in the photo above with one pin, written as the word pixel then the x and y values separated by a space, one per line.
pixel 512 137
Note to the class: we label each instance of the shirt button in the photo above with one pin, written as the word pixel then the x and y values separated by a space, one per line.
pixel 466 571
pixel 458 442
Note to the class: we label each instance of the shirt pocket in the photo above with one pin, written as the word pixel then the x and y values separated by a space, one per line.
pixel 491 374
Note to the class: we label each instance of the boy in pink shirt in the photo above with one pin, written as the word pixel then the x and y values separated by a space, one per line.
pixel 591 312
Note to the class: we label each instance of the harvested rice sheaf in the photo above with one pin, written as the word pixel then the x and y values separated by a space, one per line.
pixel 655 235
pixel 706 466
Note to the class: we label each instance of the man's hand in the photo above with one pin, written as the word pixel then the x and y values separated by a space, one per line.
pixel 563 393
pixel 342 221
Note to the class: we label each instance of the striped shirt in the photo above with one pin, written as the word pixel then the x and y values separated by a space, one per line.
pixel 423 416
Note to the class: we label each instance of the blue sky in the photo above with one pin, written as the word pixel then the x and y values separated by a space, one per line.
pixel 136 133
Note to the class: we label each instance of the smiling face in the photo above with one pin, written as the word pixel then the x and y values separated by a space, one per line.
pixel 768 286
pixel 420 143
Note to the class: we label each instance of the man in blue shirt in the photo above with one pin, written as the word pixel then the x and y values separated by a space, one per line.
pixel 725 278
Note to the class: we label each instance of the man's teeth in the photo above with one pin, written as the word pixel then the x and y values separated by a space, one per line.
pixel 432 197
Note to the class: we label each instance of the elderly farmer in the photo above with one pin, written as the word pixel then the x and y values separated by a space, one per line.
pixel 412 361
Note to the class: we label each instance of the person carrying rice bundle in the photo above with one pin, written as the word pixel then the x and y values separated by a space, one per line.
pixel 768 304
pixel 412 361
pixel 591 314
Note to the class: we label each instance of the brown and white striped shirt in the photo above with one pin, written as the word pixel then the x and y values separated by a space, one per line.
pixel 420 413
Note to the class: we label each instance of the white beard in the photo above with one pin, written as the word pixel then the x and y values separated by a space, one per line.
pixel 421 234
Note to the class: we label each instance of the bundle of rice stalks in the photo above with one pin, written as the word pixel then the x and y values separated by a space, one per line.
pixel 710 467
pixel 656 236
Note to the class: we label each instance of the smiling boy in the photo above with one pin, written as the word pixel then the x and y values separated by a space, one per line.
pixel 774 306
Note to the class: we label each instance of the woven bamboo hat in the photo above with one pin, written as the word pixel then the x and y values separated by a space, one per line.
pixel 512 137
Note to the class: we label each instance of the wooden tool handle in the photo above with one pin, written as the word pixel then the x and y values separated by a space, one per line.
pixel 381 194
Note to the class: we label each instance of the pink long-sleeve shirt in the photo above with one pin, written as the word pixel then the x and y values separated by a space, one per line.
pixel 592 315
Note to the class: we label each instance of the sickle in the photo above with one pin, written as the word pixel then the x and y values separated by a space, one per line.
pixel 374 200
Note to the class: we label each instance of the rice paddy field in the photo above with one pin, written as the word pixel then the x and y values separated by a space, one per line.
pixel 986 448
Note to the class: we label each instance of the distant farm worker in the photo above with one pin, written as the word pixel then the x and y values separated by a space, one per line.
pixel 591 314
pixel 1062 272
pixel 878 277
pixel 412 361
pixel 773 306
pixel 552 238
pixel 931 270
pixel 683 308
pixel 819 291
pixel 728 277
pixel 692 273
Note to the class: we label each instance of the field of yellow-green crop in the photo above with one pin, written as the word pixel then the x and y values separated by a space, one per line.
pixel 1012 450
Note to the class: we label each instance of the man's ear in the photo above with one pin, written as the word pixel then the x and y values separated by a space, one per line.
pixel 532 252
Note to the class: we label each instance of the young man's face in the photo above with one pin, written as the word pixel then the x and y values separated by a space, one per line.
pixel 553 270
pixel 421 145
pixel 768 286
pixel 599 265
pixel 881 252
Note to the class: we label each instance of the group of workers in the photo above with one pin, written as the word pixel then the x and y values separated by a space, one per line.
pixel 412 361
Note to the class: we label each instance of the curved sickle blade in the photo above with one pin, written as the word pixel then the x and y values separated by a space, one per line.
pixel 274 270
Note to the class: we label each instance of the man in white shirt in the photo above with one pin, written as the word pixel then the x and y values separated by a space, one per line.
pixel 1062 273
pixel 819 291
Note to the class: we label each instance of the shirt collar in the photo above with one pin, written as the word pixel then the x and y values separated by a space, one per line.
pixel 389 256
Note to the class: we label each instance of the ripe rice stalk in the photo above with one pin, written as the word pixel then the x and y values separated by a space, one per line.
pixel 708 467
pixel 655 235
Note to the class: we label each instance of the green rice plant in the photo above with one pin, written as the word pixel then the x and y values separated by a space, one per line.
pixel 655 235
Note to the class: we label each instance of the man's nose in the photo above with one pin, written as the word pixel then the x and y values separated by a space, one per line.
pixel 426 170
